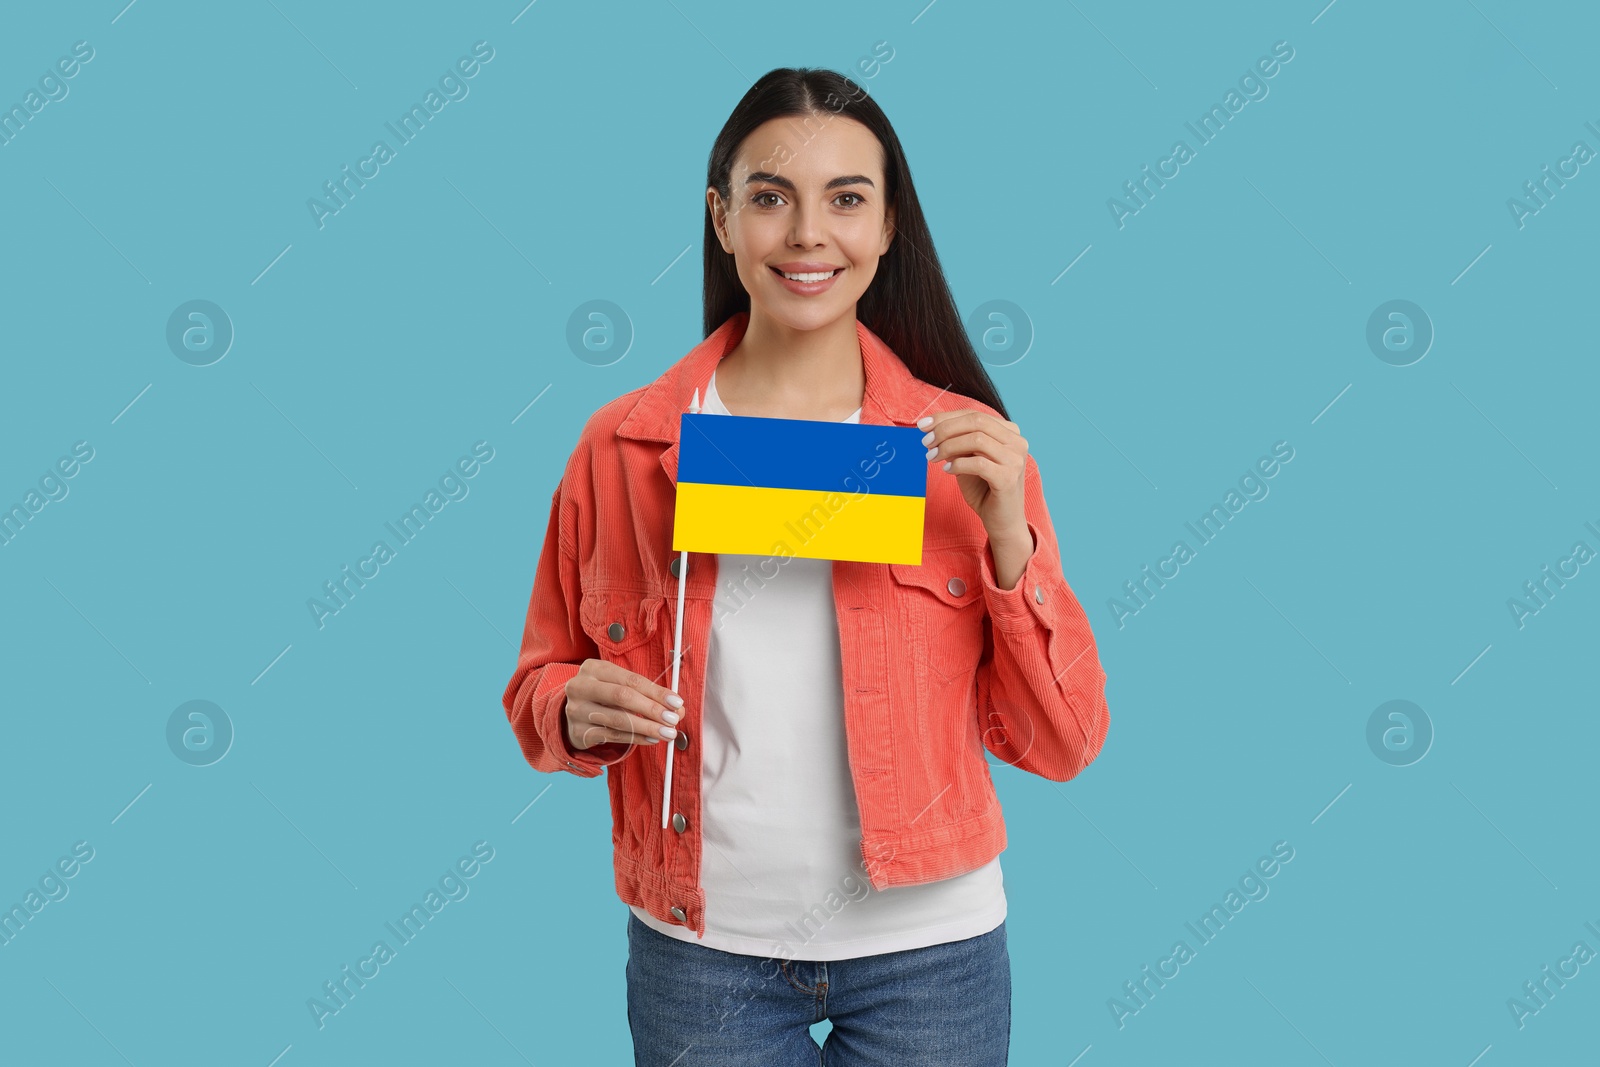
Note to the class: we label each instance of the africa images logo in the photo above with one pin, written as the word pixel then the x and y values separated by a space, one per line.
pixel 453 86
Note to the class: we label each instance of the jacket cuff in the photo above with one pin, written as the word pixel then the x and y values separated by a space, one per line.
pixel 589 762
pixel 1028 603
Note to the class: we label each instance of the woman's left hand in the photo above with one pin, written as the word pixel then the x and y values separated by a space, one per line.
pixel 988 457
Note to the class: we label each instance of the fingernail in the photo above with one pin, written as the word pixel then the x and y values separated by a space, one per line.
pixel 667 731
pixel 924 422
pixel 946 464
pixel 670 716
pixel 675 700
pixel 931 453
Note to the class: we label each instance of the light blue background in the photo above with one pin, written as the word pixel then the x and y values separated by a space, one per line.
pixel 1227 315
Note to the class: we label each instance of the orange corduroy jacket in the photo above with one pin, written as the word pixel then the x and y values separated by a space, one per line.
pixel 940 664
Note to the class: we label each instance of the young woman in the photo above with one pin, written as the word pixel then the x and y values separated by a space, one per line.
pixel 834 839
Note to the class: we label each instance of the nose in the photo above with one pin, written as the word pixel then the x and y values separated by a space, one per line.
pixel 806 231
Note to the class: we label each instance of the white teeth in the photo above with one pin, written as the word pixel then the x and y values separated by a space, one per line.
pixel 816 277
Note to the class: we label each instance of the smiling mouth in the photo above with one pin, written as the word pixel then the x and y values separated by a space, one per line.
pixel 809 276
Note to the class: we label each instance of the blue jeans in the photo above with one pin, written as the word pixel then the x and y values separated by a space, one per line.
pixel 693 1006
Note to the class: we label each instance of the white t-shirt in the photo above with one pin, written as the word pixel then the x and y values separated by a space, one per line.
pixel 781 864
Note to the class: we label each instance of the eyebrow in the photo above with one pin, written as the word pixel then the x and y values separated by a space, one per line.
pixel 767 177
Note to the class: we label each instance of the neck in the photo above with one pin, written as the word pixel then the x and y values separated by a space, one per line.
pixel 776 371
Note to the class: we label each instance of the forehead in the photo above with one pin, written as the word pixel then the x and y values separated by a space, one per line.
pixel 813 147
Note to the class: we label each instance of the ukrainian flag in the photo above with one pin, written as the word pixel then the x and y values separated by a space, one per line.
pixel 798 487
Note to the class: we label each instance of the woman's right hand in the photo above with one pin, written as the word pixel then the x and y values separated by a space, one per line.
pixel 606 702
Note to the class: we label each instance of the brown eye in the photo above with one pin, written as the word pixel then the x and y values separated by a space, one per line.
pixel 759 201
pixel 856 196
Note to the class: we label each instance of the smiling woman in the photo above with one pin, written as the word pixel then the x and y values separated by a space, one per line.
pixel 834 713
pixel 811 214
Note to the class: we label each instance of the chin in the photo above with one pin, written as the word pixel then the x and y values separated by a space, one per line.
pixel 803 313
pixel 809 318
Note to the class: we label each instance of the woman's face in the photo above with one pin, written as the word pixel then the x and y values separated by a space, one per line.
pixel 808 198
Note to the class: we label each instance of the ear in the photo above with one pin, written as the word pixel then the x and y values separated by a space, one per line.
pixel 888 229
pixel 719 217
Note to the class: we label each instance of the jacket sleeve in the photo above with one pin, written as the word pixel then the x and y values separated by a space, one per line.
pixel 554 646
pixel 1041 690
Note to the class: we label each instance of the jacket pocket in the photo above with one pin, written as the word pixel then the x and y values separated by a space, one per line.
pixel 942 602
pixel 623 624
pixel 941 614
pixel 619 621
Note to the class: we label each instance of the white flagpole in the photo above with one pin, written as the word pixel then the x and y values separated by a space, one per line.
pixel 677 645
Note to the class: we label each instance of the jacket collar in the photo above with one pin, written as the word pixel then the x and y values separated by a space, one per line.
pixel 892 395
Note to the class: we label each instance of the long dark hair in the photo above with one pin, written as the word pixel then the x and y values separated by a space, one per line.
pixel 908 304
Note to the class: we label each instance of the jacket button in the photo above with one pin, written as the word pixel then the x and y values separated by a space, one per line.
pixel 616 631
pixel 676 566
pixel 1038 594
pixel 679 823
pixel 682 740
pixel 677 913
pixel 956 586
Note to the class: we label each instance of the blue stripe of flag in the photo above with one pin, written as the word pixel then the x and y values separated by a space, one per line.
pixel 846 457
